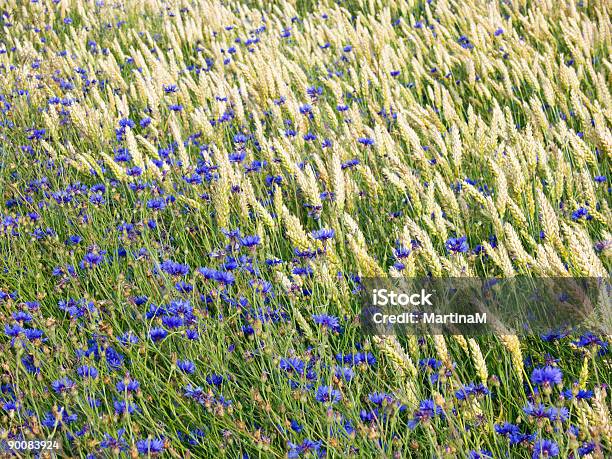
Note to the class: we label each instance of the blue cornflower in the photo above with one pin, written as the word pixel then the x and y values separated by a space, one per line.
pixel 132 172
pixel 172 321
pixel 194 437
pixel 295 426
pixel 12 330
pixel 62 385
pixel 186 366
pixel 191 334
pixel 98 199
pixel 507 429
pixel 380 398
pixel 91 259
pixel 522 438
pixel 207 273
pixel 586 448
pixel 401 252
pixel 156 204
pixel 358 359
pixel 302 271
pixel 589 339
pixel 33 334
pixel 546 376
pixel 346 373
pixel 327 196
pixel 11 406
pixel 122 155
pixel 325 394
pixel 482 454
pixel 538 411
pixel 113 358
pixel 126 122
pixel 274 179
pixel 471 390
pixel 28 363
pixel 74 240
pixel 292 365
pixel 214 379
pixel 367 141
pixel 224 278
pixel 545 448
pixel 250 241
pixel 558 414
pixel 127 384
pixel 152 446
pixel 350 163
pixel 240 138
pixel 174 269
pixel 457 245
pixel 368 415
pixel 51 420
pixel 22 316
pixel 305 449
pixel 87 372
pixel 183 287
pixel 122 406
pixel 237 156
pixel 37 134
pixel 323 234
pixel 314 91
pixel 32 305
pixel 581 212
pixel 112 443
pixel 465 43
pixel 480 390
pixel 261 286
pixel 157 334
pixel 553 335
pixel 430 363
pixel 127 338
pixel 427 411
pixel 584 394
pixel 327 322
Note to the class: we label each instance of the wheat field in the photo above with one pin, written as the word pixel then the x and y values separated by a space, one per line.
pixel 192 192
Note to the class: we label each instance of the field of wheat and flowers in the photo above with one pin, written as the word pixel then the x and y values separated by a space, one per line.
pixel 193 191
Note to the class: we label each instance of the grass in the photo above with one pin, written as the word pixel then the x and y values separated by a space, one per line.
pixel 86 235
